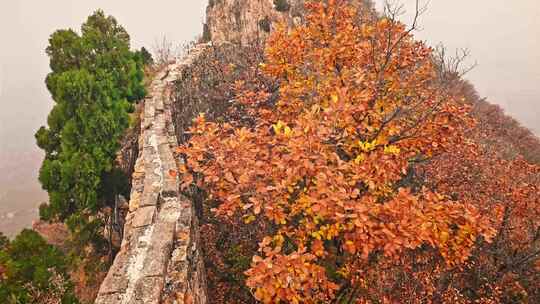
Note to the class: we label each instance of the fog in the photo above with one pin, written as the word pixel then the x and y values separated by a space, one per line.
pixel 503 38
pixel 25 26
pixel 501 35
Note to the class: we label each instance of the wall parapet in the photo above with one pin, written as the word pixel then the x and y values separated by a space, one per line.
pixel 159 259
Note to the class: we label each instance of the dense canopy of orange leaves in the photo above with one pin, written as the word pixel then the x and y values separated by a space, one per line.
pixel 328 164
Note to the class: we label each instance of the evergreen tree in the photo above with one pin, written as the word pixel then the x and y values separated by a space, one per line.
pixel 94 80
pixel 146 56
pixel 30 261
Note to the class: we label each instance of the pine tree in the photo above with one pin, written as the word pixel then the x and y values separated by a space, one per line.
pixel 95 78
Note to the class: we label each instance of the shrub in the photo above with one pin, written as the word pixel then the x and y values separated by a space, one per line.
pixel 29 261
pixel 207 35
pixel 146 56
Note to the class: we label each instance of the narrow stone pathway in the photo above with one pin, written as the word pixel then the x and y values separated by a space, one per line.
pixel 159 259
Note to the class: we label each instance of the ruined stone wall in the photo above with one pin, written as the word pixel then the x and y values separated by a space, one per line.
pixel 129 146
pixel 159 259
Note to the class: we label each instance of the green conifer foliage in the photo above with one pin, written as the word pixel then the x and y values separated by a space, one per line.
pixel 94 80
pixel 146 56
pixel 28 261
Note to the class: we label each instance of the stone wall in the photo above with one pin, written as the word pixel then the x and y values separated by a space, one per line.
pixel 159 259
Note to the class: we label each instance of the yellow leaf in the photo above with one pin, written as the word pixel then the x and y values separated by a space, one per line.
pixel 287 131
pixel 249 219
pixel 391 150
pixel 360 158
pixel 280 126
pixel 367 146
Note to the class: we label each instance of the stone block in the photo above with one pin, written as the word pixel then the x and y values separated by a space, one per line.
pixel 159 104
pixel 135 201
pixel 136 238
pixel 150 195
pixel 150 165
pixel 159 251
pixel 144 216
pixel 109 299
pixel 170 187
pixel 148 119
pixel 172 140
pixel 167 157
pixel 150 143
pixel 148 290
pixel 116 280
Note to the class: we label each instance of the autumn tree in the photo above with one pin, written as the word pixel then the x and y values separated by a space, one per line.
pixel 327 162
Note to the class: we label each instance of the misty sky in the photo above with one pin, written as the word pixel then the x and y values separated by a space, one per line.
pixel 25 26
pixel 503 37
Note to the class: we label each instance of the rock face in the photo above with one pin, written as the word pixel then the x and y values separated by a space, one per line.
pixel 54 233
pixel 251 21
pixel 159 260
pixel 248 21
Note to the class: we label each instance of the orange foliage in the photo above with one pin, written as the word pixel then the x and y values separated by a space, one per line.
pixel 507 192
pixel 327 165
pixel 356 107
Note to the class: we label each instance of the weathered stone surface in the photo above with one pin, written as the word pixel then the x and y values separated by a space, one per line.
pixel 159 230
pixel 160 250
pixel 116 280
pixel 247 22
pixel 144 216
pixel 148 291
pixel 242 21
pixel 109 298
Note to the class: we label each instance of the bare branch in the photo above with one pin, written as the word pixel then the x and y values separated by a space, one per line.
pixel 164 51
pixel 451 67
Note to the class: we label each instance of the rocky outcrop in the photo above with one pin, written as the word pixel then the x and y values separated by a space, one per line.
pixel 251 21
pixel 159 259
pixel 245 22
pixel 54 233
